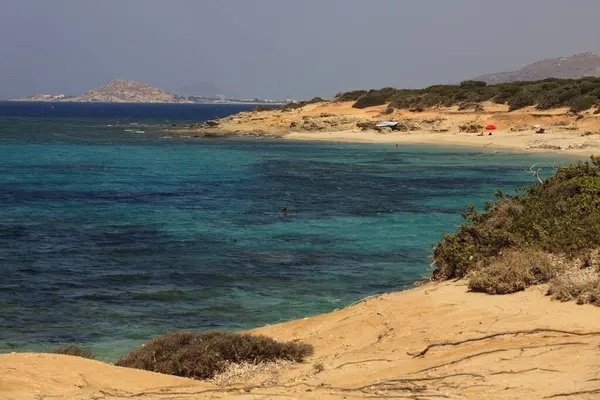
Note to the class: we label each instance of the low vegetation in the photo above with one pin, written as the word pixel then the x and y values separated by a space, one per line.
pixel 546 233
pixel 578 94
pixel 204 355
pixel 75 351
pixel 471 106
pixel 261 108
pixel 300 104
pixel 582 286
pixel 513 272
pixel 470 128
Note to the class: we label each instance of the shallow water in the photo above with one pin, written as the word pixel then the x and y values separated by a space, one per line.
pixel 110 237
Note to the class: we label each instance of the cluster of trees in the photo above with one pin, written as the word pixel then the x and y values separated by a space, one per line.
pixel 578 94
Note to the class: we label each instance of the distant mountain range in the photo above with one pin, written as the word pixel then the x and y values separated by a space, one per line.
pixel 577 66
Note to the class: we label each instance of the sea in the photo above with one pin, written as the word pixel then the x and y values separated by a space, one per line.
pixel 113 232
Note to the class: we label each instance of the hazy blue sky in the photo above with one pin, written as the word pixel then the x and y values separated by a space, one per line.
pixel 280 48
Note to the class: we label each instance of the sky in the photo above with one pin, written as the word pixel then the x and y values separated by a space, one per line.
pixel 280 48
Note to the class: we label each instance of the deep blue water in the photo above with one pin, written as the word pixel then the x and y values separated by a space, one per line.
pixel 109 236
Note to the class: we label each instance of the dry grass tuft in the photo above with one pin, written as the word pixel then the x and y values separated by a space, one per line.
pixel 75 351
pixel 235 373
pixel 581 285
pixel 318 367
pixel 513 272
pixel 204 355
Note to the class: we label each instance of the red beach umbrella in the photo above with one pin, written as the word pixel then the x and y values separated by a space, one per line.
pixel 491 127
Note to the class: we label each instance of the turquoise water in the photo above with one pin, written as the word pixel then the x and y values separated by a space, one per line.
pixel 110 237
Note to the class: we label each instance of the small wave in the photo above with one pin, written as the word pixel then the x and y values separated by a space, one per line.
pixel 126 278
pixel 128 130
pixel 163 295
pixel 140 132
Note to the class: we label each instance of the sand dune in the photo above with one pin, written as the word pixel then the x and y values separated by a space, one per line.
pixel 367 351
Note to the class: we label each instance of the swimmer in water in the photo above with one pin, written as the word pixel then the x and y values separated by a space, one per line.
pixel 285 211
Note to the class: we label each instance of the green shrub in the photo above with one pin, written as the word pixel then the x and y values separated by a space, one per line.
pixel 562 216
pixel 583 103
pixel 545 94
pixel 350 96
pixel 261 108
pixel 472 84
pixel 521 100
pixel 204 355
pixel 75 351
pixel 370 100
pixel 295 106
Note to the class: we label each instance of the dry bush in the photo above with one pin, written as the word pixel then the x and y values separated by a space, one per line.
pixel 235 373
pixel 75 351
pixel 581 285
pixel 514 271
pixel 470 128
pixel 366 125
pixel 318 367
pixel 477 107
pixel 204 355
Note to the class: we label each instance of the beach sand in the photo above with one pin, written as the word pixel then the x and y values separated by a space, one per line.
pixel 366 351
pixel 564 133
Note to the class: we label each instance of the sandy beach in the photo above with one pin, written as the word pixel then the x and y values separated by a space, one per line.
pixel 563 132
pixel 435 341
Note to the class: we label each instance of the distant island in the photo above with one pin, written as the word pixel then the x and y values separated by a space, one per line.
pixel 127 91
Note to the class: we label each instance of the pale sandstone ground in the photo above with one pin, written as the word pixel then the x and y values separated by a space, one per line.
pixel 337 122
pixel 363 353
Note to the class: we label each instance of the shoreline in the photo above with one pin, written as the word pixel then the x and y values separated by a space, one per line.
pixel 565 134
pixel 367 349
pixel 423 138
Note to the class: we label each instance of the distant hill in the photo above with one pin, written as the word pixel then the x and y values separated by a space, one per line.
pixel 574 67
pixel 117 91
pixel 123 91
